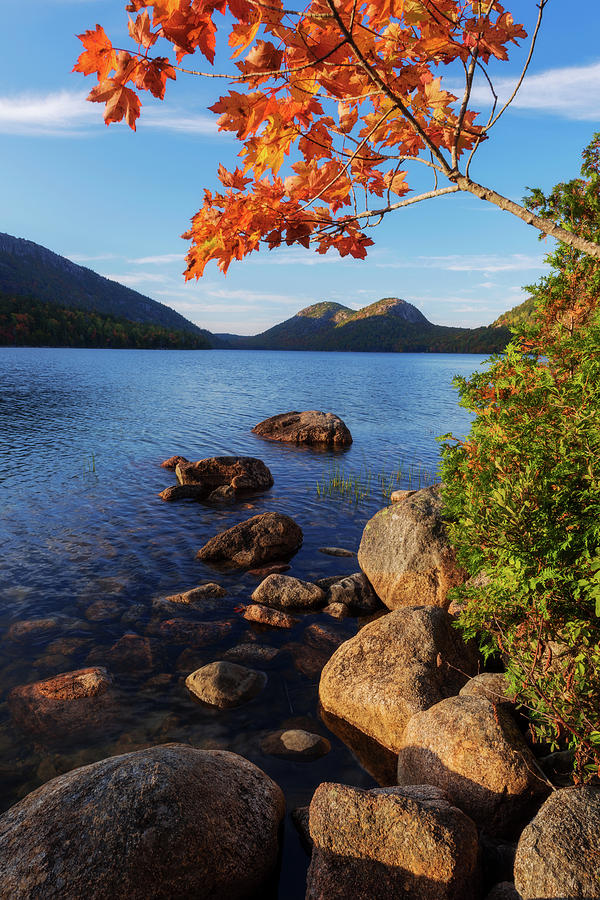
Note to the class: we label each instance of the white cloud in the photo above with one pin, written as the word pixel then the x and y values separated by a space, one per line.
pixel 132 279
pixel 515 262
pixel 68 114
pixel 572 92
pixel 82 258
pixel 160 260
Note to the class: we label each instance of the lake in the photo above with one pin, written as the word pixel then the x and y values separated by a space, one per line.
pixel 82 436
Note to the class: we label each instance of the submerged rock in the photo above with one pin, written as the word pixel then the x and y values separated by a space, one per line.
pixel 474 751
pixel 558 854
pixel 309 427
pixel 295 743
pixel 71 703
pixel 131 653
pixel 258 540
pixel 390 842
pixel 283 592
pixel 32 629
pixel 225 684
pixel 194 634
pixel 396 666
pixel 337 551
pixel 405 553
pixel 158 824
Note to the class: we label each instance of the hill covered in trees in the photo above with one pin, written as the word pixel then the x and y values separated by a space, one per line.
pixel 30 270
pixel 390 325
pixel 25 322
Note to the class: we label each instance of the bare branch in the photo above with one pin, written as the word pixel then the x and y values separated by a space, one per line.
pixel 541 6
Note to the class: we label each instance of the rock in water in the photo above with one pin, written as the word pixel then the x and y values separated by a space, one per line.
pixel 283 592
pixel 390 842
pixel 166 823
pixel 309 427
pixel 558 854
pixel 394 667
pixel 474 752
pixel 258 540
pixel 295 743
pixel 225 684
pixel 405 553
pixel 72 703
pixel 240 473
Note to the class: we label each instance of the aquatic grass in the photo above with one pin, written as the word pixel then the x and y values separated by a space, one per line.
pixel 347 485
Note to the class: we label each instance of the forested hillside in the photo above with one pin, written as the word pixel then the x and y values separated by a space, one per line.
pixel 25 322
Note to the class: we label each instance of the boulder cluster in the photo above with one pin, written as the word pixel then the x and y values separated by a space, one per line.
pixel 465 809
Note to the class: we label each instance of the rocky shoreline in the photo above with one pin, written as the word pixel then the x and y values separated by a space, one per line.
pixel 467 806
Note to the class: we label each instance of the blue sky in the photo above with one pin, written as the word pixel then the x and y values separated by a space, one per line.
pixel 118 201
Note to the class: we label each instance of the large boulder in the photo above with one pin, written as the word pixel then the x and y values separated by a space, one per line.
pixel 241 473
pixel 284 592
pixel 309 427
pixel 390 842
pixel 396 666
pixel 260 539
pixel 473 750
pixel 558 854
pixel 405 554
pixel 166 823
pixel 72 703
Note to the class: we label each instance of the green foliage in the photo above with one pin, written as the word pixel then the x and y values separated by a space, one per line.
pixel 30 323
pixel 522 492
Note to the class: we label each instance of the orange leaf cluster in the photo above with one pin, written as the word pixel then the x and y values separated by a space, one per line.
pixel 342 93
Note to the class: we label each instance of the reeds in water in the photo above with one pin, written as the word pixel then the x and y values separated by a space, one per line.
pixel 346 485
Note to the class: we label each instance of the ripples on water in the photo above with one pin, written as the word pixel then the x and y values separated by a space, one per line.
pixel 82 433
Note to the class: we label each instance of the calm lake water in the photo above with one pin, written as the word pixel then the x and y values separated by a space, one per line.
pixel 82 434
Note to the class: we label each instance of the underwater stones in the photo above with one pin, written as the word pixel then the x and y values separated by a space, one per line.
pixel 406 555
pixel 194 634
pixel 32 629
pixel 295 743
pixel 337 551
pixel 308 427
pixel 258 540
pixel 171 821
pixel 104 610
pixel 225 684
pixel 70 703
pixel 131 653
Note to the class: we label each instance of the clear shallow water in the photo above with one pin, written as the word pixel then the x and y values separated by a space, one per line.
pixel 82 434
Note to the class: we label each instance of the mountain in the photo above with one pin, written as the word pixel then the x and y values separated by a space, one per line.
pixel 390 325
pixel 515 316
pixel 30 270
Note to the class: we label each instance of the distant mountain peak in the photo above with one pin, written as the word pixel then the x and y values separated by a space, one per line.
pixel 395 307
pixel 327 310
